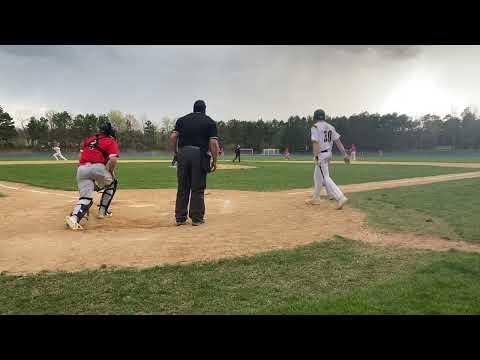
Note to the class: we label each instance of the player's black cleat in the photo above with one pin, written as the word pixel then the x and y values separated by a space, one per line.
pixel 197 222
pixel 180 223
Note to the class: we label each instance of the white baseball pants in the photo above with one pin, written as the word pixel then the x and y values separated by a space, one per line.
pixel 56 155
pixel 321 176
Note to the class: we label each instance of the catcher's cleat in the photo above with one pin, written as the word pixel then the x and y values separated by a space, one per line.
pixel 341 202
pixel 197 222
pixel 104 215
pixel 83 221
pixel 313 202
pixel 72 223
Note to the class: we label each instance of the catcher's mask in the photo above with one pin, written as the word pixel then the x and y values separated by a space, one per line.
pixel 107 129
pixel 319 115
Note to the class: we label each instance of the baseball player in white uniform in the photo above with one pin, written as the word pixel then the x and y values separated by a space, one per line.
pixel 323 137
pixel 57 152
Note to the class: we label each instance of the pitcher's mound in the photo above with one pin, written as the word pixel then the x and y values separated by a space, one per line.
pixel 233 167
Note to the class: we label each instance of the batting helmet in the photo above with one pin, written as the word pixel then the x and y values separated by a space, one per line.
pixel 319 115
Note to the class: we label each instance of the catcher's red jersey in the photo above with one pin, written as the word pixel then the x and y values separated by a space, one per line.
pixel 98 152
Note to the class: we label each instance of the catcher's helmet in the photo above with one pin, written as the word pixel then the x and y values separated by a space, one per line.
pixel 319 115
pixel 107 129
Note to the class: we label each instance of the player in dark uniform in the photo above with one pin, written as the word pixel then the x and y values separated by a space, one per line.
pixel 196 134
pixel 237 153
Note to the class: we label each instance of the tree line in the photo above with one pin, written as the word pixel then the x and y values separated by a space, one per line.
pixel 370 132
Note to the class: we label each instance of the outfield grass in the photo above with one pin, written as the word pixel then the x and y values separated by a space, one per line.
pixel 449 209
pixel 416 158
pixel 265 177
pixel 371 157
pixel 454 157
pixel 335 277
pixel 74 156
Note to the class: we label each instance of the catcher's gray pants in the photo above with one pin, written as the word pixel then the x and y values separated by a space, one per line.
pixel 192 181
pixel 87 175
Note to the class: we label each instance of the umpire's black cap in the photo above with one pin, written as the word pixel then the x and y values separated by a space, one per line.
pixel 319 115
pixel 199 106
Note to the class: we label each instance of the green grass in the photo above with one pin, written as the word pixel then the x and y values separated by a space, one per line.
pixel 335 277
pixel 454 157
pixel 449 209
pixel 415 158
pixel 445 284
pixel 265 177
pixel 338 276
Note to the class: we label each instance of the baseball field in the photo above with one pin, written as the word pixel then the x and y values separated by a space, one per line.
pixel 408 242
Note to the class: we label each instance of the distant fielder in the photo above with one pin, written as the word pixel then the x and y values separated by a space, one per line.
pixel 353 152
pixel 98 158
pixel 57 152
pixel 237 153
pixel 323 137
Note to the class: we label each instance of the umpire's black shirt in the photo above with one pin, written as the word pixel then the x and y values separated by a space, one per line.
pixel 195 129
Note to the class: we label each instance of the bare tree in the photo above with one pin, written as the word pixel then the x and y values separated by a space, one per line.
pixel 168 124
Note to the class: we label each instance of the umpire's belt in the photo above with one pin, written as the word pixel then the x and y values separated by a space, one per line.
pixel 190 147
pixel 324 151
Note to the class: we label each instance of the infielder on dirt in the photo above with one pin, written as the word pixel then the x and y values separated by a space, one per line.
pixel 98 159
pixel 323 137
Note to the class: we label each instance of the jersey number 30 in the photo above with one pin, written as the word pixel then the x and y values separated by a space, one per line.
pixel 328 136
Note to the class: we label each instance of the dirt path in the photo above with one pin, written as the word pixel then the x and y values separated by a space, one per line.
pixel 142 232
pixel 389 184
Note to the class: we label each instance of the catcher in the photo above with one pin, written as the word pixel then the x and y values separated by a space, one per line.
pixel 98 158
pixel 323 137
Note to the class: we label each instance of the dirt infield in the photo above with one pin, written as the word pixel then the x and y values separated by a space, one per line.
pixel 142 232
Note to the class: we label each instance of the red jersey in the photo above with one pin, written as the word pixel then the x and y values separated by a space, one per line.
pixel 353 147
pixel 98 152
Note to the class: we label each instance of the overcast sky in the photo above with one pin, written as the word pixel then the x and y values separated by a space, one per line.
pixel 242 82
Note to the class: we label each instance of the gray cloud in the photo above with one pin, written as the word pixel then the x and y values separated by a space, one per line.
pixel 244 82
pixel 399 52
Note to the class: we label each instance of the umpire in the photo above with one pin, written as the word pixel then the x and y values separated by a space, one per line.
pixel 197 136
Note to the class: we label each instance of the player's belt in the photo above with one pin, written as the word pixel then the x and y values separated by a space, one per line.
pixel 324 151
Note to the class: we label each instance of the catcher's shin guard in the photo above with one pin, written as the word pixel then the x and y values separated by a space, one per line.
pixel 107 196
pixel 82 208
